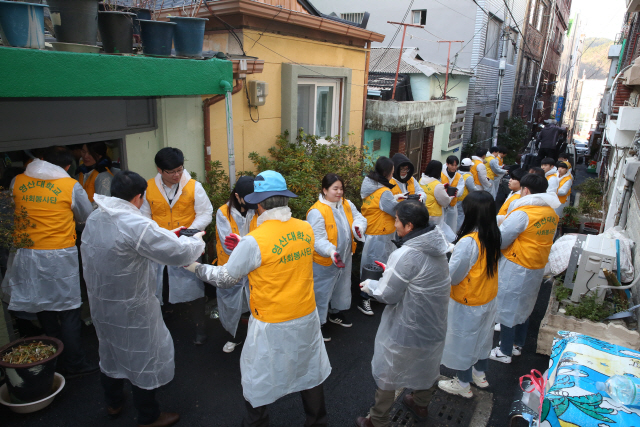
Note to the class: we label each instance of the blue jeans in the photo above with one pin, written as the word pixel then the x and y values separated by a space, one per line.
pixel 513 336
pixel 467 376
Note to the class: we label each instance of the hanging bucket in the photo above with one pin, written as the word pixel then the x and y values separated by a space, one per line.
pixel 116 31
pixel 75 21
pixel 189 35
pixel 22 24
pixel 157 37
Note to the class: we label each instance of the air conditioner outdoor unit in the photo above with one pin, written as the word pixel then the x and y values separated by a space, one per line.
pixel 598 253
pixel 539 105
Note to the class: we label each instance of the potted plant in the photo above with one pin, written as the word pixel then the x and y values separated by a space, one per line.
pixel 30 364
pixel 570 222
pixel 189 32
pixel 116 28
pixel 590 204
pixel 22 24
pixel 74 21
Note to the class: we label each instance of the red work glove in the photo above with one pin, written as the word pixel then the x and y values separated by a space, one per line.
pixel 358 232
pixel 337 261
pixel 383 266
pixel 231 241
pixel 176 231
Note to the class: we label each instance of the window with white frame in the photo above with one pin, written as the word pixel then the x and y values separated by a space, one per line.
pixel 419 17
pixel 319 106
pixel 492 41
pixel 355 17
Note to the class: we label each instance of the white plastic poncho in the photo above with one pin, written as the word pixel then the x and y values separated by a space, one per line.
pixel 563 191
pixel 183 285
pixel 410 339
pixel 47 280
pixel 234 301
pixel 469 328
pixel 277 358
pixel 518 286
pixel 330 283
pixel 378 247
pixel 485 183
pixel 120 251
pixel 471 186
pixel 499 172
pixel 552 179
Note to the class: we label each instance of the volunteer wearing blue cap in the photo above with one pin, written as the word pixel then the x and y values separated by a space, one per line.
pixel 284 351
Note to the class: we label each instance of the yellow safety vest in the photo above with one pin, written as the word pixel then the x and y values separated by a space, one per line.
pixel 490 173
pixel 474 171
pixel 505 206
pixel 181 214
pixel 465 191
pixel 477 288
pixel 411 188
pixel 282 287
pixel 48 206
pixel 332 228
pixel 532 247
pixel 223 258
pixel 431 203
pixel 564 179
pixel 456 179
pixel 90 185
pixel 378 221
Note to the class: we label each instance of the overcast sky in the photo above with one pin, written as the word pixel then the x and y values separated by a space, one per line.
pixel 601 18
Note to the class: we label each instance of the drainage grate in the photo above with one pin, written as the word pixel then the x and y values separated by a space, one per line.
pixel 445 410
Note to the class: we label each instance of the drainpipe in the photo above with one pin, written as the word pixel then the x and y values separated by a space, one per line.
pixel 364 95
pixel 226 86
pixel 207 124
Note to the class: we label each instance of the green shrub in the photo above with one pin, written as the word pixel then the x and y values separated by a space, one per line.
pixel 513 137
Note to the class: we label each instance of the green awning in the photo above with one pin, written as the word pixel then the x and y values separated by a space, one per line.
pixel 31 73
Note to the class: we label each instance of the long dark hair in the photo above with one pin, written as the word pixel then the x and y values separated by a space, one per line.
pixel 233 203
pixel 330 179
pixel 480 214
pixel 434 169
pixel 383 168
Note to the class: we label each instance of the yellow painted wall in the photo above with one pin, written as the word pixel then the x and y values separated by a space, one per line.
pixel 261 136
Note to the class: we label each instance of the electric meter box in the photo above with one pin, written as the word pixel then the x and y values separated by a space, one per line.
pixel 258 92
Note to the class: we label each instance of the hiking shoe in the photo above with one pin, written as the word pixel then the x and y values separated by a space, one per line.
pixel 480 380
pixel 365 307
pixel 453 386
pixel 325 335
pixel 498 356
pixel 420 411
pixel 340 319
pixel 517 350
pixel 496 327
pixel 230 346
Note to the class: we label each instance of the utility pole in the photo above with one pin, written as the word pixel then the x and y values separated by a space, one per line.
pixel 404 31
pixel 501 67
pixel 446 78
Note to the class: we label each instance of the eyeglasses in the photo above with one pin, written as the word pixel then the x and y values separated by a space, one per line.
pixel 174 172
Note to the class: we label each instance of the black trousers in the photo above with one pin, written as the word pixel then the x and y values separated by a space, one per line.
pixel 312 401
pixel 67 327
pixel 143 400
pixel 547 152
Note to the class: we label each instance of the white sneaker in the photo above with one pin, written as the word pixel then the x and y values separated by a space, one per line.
pixel 230 346
pixel 497 327
pixel 498 356
pixel 517 350
pixel 480 381
pixel 453 386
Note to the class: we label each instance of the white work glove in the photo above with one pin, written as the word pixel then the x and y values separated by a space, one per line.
pixel 364 287
pixel 423 198
pixel 400 197
pixel 192 267
pixel 358 234
pixel 199 236
pixel 337 261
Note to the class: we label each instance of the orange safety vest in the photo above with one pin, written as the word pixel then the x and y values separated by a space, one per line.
pixel 411 188
pixel 223 258
pixel 505 206
pixel 474 171
pixel 281 288
pixel 477 288
pixel 48 207
pixel 378 221
pixel 431 203
pixel 456 179
pixel 465 190
pixel 332 229
pixel 181 214
pixel 490 173
pixel 564 179
pixel 532 247
pixel 500 161
pixel 90 185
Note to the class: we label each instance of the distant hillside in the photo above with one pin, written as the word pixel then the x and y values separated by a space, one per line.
pixel 594 59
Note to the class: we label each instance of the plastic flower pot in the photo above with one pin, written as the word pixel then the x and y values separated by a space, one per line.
pixel 371 271
pixel 116 31
pixel 33 381
pixel 594 225
pixel 141 14
pixel 189 36
pixel 75 21
pixel 157 37
pixel 22 24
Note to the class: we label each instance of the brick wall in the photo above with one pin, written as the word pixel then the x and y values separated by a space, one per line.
pixel 398 143
pixel 427 147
